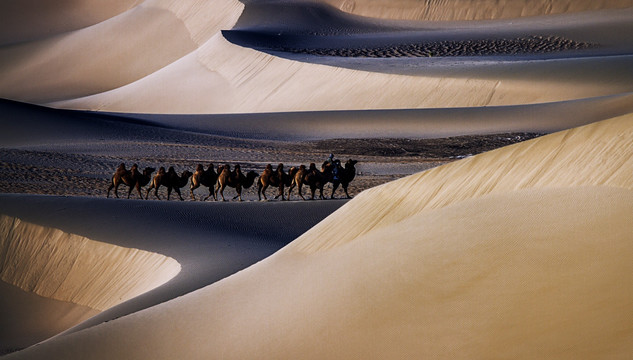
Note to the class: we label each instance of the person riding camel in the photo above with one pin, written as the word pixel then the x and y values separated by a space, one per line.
pixel 335 169
pixel 330 160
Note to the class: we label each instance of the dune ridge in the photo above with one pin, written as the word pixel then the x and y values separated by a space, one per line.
pixel 598 154
pixel 196 70
pixel 67 267
pixel 452 10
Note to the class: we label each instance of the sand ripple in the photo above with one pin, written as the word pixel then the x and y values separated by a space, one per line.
pixel 481 47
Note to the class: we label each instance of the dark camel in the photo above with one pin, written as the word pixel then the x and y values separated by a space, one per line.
pixel 132 178
pixel 169 179
pixel 277 178
pixel 312 177
pixel 234 179
pixel 206 178
pixel 344 176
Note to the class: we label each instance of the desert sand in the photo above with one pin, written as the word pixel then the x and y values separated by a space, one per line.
pixel 492 198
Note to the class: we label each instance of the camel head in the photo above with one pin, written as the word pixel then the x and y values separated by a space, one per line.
pixel 350 163
pixel 148 171
pixel 250 179
pixel 186 174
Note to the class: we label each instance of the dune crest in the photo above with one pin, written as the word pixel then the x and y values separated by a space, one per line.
pixel 598 154
pixel 68 267
pixel 454 10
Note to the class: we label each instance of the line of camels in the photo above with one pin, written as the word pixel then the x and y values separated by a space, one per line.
pixel 218 180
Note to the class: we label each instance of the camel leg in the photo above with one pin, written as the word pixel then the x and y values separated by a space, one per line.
pixel 156 191
pixel 334 187
pixel 281 192
pixel 345 189
pixel 313 190
pixel 290 189
pixel 116 190
pixel 300 192
pixel 179 195
pixel 238 188
pixel 211 193
pixel 129 192
pixel 261 190
pixel 110 189
pixel 138 188
pixel 191 189
pixel 222 192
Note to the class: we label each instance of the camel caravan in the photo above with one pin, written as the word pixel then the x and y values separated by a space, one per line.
pixel 217 180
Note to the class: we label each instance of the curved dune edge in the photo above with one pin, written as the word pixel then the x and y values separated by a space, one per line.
pixel 519 253
pixel 195 70
pixel 455 10
pixel 221 77
pixel 69 267
pixel 598 154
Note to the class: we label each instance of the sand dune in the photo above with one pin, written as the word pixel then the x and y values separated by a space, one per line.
pixel 512 252
pixel 196 70
pixel 447 10
pixel 521 252
pixel 69 275
pixel 206 242
pixel 28 20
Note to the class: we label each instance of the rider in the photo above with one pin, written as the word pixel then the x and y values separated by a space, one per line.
pixel 335 169
pixel 335 163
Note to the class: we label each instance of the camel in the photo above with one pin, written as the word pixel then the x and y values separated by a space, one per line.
pixel 132 178
pixel 344 176
pixel 312 177
pixel 298 180
pixel 277 178
pixel 234 179
pixel 169 179
pixel 206 178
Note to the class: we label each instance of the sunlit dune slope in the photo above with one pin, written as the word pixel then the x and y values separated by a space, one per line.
pixel 72 268
pixel 522 252
pixel 599 154
pixel 112 53
pixel 172 57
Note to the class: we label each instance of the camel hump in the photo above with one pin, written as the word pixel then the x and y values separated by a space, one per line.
pixel 199 167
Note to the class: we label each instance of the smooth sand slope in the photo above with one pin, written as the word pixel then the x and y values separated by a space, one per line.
pixel 520 252
pixel 68 276
pixel 118 64
pixel 68 259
